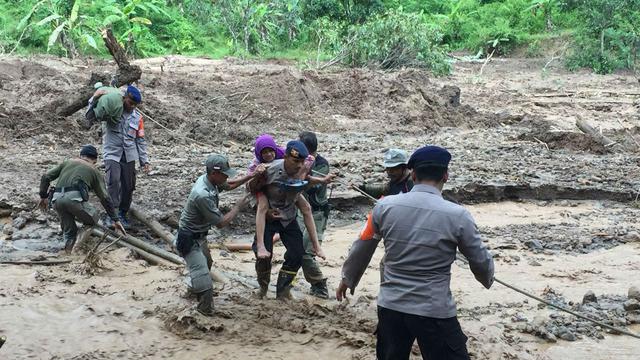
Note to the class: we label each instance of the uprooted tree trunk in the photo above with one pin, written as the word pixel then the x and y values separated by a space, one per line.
pixel 597 136
pixel 126 74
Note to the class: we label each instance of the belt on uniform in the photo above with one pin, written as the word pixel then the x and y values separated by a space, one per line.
pixel 193 235
pixel 67 189
pixel 199 235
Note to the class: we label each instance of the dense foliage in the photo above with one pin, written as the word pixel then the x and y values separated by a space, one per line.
pixel 603 35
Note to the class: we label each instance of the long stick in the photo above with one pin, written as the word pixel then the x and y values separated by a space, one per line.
pixel 40 262
pixel 548 303
pixel 99 230
pixel 561 308
pixel 154 225
pixel 152 258
pixel 349 185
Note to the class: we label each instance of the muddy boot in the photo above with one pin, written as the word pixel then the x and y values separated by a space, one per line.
pixel 69 242
pixel 320 290
pixel 263 270
pixel 283 286
pixel 205 303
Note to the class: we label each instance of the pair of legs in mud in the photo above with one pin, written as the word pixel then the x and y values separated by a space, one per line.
pixel 69 210
pixel 292 238
pixel 195 251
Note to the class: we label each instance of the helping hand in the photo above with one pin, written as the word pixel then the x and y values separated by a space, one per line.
pixel 146 168
pixel 320 253
pixel 263 253
pixel 99 93
pixel 329 178
pixel 341 291
pixel 260 169
pixel 43 204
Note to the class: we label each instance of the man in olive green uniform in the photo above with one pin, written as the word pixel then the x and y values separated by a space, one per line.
pixel 316 195
pixel 395 165
pixel 199 214
pixel 75 178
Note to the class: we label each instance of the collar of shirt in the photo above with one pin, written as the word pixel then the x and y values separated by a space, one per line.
pixel 207 183
pixel 426 188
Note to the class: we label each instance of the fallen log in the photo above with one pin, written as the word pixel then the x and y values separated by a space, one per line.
pixel 596 135
pixel 148 256
pixel 237 246
pixel 153 224
pixel 138 244
pixel 144 246
pixel 35 262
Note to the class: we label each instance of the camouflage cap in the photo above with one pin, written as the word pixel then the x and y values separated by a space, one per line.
pixel 217 162
pixel 395 157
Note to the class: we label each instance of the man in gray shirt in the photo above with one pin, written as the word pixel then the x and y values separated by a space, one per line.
pixel 123 142
pixel 421 233
pixel 283 194
pixel 199 214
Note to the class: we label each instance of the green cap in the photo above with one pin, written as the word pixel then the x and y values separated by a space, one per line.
pixel 395 157
pixel 220 163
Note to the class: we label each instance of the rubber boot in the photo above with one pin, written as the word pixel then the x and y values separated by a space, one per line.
pixel 124 220
pixel 69 242
pixel 283 286
pixel 263 270
pixel 320 290
pixel 205 302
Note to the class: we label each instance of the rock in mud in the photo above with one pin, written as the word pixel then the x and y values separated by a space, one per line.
pixel 533 244
pixel 634 293
pixel 568 336
pixel 589 297
pixel 632 236
pixel 7 230
pixel 631 304
pixel 19 222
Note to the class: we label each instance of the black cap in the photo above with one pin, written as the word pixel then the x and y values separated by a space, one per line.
pixel 89 151
pixel 429 156
pixel 297 149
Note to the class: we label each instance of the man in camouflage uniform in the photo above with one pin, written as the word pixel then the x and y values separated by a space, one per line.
pixel 75 178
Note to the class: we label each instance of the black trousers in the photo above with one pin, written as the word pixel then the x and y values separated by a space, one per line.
pixel 439 339
pixel 291 237
pixel 121 181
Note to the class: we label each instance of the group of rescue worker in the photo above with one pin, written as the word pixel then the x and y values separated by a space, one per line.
pixel 421 231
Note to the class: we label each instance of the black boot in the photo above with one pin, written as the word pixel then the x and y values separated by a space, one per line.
pixel 320 290
pixel 263 270
pixel 283 287
pixel 69 242
pixel 205 302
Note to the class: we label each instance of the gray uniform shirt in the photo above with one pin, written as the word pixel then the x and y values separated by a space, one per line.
pixel 278 198
pixel 201 210
pixel 421 233
pixel 127 138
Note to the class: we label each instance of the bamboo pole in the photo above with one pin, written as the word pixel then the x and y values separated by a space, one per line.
pixel 144 246
pixel 148 256
pixel 153 224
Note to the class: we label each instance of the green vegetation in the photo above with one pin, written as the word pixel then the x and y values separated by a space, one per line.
pixel 603 35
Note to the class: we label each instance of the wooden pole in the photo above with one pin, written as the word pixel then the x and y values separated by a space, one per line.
pixel 35 262
pixel 237 247
pixel 153 224
pixel 144 246
pixel 157 253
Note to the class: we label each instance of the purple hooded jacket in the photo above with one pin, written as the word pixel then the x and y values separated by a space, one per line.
pixel 262 142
